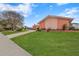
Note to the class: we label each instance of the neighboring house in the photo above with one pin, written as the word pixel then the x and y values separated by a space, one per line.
pixel 55 22
pixel 75 25
pixel 35 26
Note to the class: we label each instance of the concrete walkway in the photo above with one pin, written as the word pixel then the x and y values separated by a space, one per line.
pixel 18 34
pixel 9 48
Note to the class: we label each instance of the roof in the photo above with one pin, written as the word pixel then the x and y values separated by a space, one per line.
pixel 49 16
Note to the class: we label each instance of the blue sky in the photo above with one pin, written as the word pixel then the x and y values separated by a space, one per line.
pixel 34 12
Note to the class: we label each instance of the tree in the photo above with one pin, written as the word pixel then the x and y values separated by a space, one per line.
pixel 13 19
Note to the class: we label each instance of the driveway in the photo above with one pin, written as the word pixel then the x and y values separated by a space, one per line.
pixel 9 48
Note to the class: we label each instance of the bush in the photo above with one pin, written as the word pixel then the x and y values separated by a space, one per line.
pixel 71 28
pixel 21 29
pixel 1 28
pixel 37 29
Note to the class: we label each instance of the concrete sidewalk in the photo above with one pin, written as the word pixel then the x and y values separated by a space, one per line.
pixel 9 48
pixel 18 34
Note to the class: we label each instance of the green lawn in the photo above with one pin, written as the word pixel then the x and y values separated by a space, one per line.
pixel 50 43
pixel 8 32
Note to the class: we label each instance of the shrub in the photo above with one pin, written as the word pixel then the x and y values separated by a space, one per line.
pixel 1 28
pixel 21 29
pixel 72 28
pixel 37 29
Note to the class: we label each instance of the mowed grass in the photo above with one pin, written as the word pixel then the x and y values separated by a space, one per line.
pixel 8 32
pixel 50 43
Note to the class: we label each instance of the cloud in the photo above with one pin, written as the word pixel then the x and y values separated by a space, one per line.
pixel 34 5
pixel 24 9
pixel 50 6
pixel 73 13
pixel 59 4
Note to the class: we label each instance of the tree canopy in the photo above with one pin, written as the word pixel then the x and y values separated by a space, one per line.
pixel 11 20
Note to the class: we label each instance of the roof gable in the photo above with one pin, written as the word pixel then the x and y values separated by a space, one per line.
pixel 57 17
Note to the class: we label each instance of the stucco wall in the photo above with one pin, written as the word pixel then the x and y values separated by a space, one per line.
pixel 51 23
pixel 42 25
pixel 54 23
pixel 62 22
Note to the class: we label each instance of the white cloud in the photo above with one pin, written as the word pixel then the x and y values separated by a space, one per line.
pixel 34 5
pixel 59 4
pixel 50 6
pixel 24 9
pixel 73 13
pixel 70 12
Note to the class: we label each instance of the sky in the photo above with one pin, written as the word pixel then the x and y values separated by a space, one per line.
pixel 34 12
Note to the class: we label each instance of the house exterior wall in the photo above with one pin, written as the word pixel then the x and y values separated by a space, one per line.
pixel 51 23
pixel 34 26
pixel 61 22
pixel 42 25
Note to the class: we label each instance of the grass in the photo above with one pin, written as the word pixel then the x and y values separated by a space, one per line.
pixel 8 32
pixel 50 43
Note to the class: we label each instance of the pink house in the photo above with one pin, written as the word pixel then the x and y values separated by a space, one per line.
pixel 54 22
